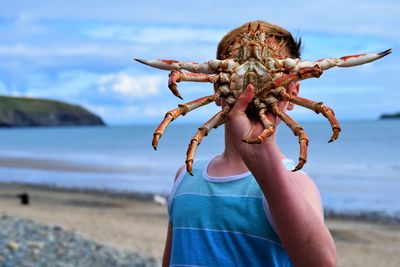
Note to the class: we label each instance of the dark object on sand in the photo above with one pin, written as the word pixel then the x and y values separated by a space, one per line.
pixel 24 197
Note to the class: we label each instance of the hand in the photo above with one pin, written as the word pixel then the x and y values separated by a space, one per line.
pixel 241 127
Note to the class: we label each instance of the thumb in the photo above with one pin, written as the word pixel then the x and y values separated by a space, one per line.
pixel 243 101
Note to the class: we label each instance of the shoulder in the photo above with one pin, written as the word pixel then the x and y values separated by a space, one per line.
pixel 306 186
pixel 177 180
pixel 309 190
pixel 179 172
pixel 197 168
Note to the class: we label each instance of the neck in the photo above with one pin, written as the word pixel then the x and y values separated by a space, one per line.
pixel 230 154
pixel 230 162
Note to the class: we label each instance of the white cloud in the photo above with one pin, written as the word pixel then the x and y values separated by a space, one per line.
pixel 154 35
pixel 132 87
pixel 150 112
pixel 57 50
pixel 3 88
pixel 335 16
pixel 323 90
pixel 27 24
pixel 66 85
pixel 126 114
pixel 115 114
pixel 78 83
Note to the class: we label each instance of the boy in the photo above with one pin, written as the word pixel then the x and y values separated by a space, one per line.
pixel 245 207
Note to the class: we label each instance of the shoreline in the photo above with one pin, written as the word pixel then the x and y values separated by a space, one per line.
pixel 136 223
pixel 143 196
pixel 370 216
pixel 46 164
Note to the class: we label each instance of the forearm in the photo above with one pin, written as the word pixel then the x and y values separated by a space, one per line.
pixel 299 225
pixel 292 197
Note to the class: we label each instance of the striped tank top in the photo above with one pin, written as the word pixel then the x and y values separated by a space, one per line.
pixel 222 221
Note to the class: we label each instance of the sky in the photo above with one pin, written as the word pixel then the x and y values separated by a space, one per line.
pixel 82 52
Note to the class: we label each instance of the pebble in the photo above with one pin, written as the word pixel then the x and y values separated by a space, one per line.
pixel 13 246
pixel 26 243
pixel 35 245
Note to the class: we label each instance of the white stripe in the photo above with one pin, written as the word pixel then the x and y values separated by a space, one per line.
pixel 208 195
pixel 226 231
pixel 174 188
pixel 222 179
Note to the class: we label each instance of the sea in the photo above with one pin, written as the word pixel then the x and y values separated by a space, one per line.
pixel 360 172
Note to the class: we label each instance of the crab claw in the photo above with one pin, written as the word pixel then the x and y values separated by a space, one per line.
pixel 354 60
pixel 210 67
pixel 163 64
pixel 350 61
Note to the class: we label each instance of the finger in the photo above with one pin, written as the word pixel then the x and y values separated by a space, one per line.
pixel 242 102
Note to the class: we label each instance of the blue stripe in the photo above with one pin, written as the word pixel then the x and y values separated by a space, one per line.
pixel 235 214
pixel 220 248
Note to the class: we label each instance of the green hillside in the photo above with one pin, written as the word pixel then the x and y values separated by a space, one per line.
pixel 391 116
pixel 21 111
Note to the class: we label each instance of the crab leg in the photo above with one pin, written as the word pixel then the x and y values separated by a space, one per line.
pixel 286 79
pixel 214 122
pixel 182 109
pixel 221 122
pixel 179 76
pixel 269 129
pixel 297 130
pixel 209 67
pixel 318 107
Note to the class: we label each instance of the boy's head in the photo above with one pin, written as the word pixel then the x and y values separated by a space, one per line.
pixel 280 42
pixel 292 47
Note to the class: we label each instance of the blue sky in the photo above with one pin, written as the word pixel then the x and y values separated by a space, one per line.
pixel 81 52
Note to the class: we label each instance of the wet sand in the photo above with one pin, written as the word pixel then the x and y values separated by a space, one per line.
pixel 136 223
pixel 55 165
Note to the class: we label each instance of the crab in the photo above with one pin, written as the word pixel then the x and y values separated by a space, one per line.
pixel 255 58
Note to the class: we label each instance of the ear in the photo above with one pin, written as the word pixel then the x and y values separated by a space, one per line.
pixel 293 89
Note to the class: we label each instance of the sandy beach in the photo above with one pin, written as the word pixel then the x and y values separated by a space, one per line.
pixel 136 223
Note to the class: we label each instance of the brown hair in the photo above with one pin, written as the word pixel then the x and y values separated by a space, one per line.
pixel 293 45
